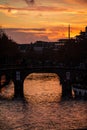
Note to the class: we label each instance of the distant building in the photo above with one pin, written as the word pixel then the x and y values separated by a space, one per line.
pixel 62 41
pixel 23 47
pixel 38 48
pixel 42 45
pixel 82 35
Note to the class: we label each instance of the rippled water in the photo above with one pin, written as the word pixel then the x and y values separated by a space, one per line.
pixel 43 108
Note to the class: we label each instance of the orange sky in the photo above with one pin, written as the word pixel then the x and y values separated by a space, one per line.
pixel 31 20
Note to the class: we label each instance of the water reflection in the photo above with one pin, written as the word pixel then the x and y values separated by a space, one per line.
pixel 42 108
pixel 7 91
pixel 42 87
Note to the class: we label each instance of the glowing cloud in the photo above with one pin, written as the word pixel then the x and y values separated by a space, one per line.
pixel 46 20
pixel 29 2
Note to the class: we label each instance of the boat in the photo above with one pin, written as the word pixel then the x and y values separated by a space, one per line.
pixel 80 90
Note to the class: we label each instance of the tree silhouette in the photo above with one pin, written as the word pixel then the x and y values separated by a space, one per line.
pixel 8 48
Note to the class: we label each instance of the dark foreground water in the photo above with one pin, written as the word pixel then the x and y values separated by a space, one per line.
pixel 43 108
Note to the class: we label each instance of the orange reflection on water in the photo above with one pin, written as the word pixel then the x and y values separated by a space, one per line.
pixel 42 87
pixel 3 79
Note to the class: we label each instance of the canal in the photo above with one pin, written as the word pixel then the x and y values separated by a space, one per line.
pixel 43 107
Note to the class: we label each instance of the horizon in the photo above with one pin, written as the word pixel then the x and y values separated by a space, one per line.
pixel 27 21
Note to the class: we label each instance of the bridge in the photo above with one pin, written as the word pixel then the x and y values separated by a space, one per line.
pixel 67 75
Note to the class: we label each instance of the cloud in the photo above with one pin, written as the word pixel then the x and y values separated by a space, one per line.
pixel 34 8
pixel 26 30
pixel 80 2
pixel 23 35
pixel 29 2
pixel 58 1
pixel 45 8
pixel 28 35
pixel 8 11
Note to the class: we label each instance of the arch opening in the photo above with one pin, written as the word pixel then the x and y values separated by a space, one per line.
pixel 40 87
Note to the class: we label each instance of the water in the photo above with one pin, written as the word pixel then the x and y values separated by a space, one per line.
pixel 43 108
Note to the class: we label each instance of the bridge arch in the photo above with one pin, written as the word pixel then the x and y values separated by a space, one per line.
pixel 42 87
pixel 19 74
pixel 24 73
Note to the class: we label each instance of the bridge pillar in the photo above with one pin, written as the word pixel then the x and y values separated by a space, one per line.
pixel 18 86
pixel 66 89
pixel 18 89
pixel 66 86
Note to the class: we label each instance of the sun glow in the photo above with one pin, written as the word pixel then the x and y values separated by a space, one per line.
pixel 54 17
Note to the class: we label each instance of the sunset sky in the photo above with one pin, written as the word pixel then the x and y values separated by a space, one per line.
pixel 27 21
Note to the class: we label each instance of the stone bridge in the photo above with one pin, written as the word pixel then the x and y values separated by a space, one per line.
pixel 67 75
